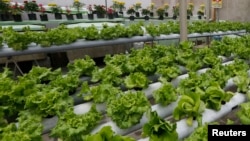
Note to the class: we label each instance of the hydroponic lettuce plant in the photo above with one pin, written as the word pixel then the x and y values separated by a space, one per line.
pixel 69 82
pixel 174 27
pixel 62 35
pixel 214 96
pixel 141 63
pixel 134 30
pixel 6 73
pixel 101 93
pixel 189 84
pixel 191 107
pixel 32 35
pixel 152 30
pixel 200 82
pixel 244 113
pixel 187 57
pixel 118 60
pixel 108 32
pixel 236 67
pixel 72 127
pixel 19 92
pixel 48 101
pixel 6 98
pixel 29 128
pixel 82 67
pixel 242 81
pixel 44 39
pixel 208 57
pixel 166 66
pixel 166 61
pixel 128 108
pixel 220 74
pixel 225 47
pixel 159 51
pixel 186 45
pixel 200 57
pixel 158 129
pixel 43 75
pixel 146 65
pixel 121 30
pixel 136 80
pixel 15 40
pixel 170 72
pixel 200 134
pixel 164 28
pixel 165 94
pixel 243 50
pixel 193 63
pixel 91 33
pixel 107 134
pixel 109 74
pixel 182 56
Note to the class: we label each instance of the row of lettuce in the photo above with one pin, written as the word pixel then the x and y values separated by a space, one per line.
pixel 63 35
pixel 45 93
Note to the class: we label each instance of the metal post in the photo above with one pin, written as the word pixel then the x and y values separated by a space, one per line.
pixel 183 20
pixel 208 10
pixel 217 14
pixel 208 13
pixel 106 4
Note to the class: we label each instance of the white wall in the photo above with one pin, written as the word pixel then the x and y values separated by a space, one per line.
pixel 128 3
pixel 235 10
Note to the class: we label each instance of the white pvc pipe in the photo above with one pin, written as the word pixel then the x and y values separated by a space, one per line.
pixel 85 107
pixel 161 110
pixel 162 113
pixel 226 59
pixel 182 69
pixel 208 115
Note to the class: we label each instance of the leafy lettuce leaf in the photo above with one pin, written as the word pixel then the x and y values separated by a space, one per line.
pixel 158 129
pixel 165 94
pixel 99 93
pixel 107 134
pixel 215 96
pixel 82 67
pixel 136 80
pixel 71 127
pixel 29 128
pixel 244 113
pixel 128 108
pixel 189 106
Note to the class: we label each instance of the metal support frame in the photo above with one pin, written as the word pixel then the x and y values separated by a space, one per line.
pixel 208 10
pixel 217 14
pixel 11 59
pixel 183 20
